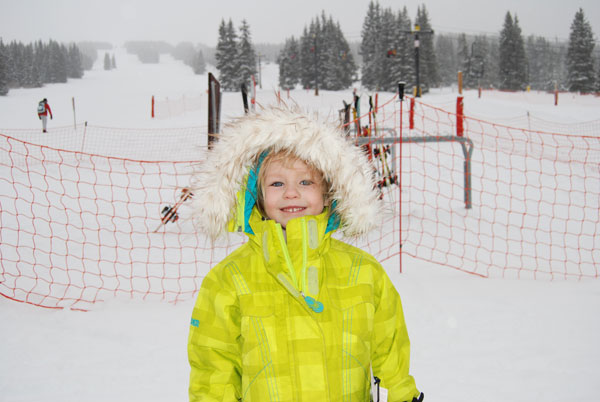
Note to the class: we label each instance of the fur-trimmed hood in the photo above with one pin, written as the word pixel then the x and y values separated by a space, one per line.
pixel 224 172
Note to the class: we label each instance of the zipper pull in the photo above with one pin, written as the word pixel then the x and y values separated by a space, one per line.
pixel 314 305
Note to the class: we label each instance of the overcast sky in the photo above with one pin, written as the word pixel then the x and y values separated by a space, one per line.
pixel 271 21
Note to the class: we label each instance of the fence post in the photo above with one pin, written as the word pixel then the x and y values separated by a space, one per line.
pixel 459 116
pixel 411 115
pixel 152 108
pixel 399 180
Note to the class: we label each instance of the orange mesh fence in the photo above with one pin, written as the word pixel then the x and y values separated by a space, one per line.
pixel 535 196
pixel 80 208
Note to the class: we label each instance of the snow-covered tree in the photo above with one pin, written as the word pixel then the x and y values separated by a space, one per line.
pixel 447 59
pixel 326 61
pixel 227 57
pixel 199 65
pixel 246 55
pixel 513 62
pixel 580 61
pixel 3 69
pixel 107 63
pixel 289 64
pixel 403 68
pixel 113 62
pixel 371 48
pixel 75 69
pixel 57 59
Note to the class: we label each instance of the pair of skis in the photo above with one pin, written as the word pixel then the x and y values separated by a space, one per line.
pixel 385 177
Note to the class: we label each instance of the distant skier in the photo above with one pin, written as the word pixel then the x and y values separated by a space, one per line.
pixel 43 110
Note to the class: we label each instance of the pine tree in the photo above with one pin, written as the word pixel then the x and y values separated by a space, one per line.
pixel 289 64
pixel 326 61
pixel 226 56
pixel 107 63
pixel 462 54
pixel 75 69
pixel 447 56
pixel 405 48
pixel 544 63
pixel 3 69
pixel 338 63
pixel 580 62
pixel 246 55
pixel 57 62
pixel 370 47
pixel 388 74
pixel 199 65
pixel 475 62
pixel 513 62
pixel 113 62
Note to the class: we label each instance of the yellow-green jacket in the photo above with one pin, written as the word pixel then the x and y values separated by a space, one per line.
pixel 307 319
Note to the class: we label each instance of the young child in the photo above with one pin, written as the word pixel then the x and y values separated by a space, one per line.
pixel 293 314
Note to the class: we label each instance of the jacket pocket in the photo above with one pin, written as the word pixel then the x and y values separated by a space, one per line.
pixel 258 343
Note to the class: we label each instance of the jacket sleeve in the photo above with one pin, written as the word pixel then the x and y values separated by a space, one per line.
pixel 213 350
pixel 391 346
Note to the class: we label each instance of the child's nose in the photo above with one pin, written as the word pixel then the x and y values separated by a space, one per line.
pixel 291 192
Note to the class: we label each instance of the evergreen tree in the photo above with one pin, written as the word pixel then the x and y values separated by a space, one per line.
pixel 57 62
pixel 447 57
pixel 289 64
pixel 428 62
pixel 326 61
pixel 199 65
pixel 388 74
pixel 3 69
pixel 475 62
pixel 107 63
pixel 75 69
pixel 370 47
pixel 226 56
pixel 512 62
pixel 491 74
pixel 113 62
pixel 580 62
pixel 462 55
pixel 544 63
pixel 339 67
pixel 404 66
pixel 246 55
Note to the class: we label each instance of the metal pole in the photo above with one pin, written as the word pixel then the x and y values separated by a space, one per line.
pixel 401 99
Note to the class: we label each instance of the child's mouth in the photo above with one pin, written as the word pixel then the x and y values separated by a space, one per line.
pixel 293 210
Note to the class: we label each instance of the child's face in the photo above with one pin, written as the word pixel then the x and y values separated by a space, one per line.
pixel 291 190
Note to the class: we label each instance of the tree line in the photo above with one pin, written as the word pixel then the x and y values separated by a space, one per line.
pixel 508 61
pixel 35 64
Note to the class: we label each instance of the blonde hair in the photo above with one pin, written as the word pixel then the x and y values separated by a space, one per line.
pixel 287 158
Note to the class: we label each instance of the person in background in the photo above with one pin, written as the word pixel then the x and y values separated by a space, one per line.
pixel 43 111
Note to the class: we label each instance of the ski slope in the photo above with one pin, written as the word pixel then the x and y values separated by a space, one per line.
pixel 473 339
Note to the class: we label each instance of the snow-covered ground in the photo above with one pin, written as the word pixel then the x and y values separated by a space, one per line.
pixel 473 339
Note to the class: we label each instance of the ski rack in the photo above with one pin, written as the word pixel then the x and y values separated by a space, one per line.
pixel 465 143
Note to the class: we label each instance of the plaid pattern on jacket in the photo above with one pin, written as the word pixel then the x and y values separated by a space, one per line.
pixel 254 337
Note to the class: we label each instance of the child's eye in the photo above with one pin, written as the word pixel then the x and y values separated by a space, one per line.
pixel 306 182
pixel 276 184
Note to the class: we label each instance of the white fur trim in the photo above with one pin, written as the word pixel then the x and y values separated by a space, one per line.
pixel 220 176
